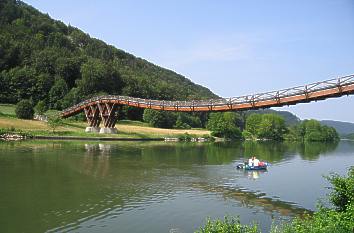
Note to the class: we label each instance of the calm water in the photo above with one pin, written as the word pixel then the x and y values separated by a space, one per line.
pixel 58 186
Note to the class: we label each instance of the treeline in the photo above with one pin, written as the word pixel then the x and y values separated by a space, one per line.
pixel 42 59
pixel 254 126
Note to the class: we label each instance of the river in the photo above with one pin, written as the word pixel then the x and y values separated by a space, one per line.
pixel 77 186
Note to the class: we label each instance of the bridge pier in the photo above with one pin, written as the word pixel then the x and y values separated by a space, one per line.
pixel 101 112
pixel 92 129
pixel 108 131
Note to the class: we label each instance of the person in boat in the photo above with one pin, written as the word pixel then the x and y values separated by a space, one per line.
pixel 250 162
pixel 255 162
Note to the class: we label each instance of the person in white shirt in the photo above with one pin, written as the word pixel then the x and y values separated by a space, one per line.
pixel 255 162
pixel 250 162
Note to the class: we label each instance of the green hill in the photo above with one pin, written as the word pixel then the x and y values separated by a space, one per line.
pixel 343 128
pixel 350 136
pixel 290 118
pixel 44 59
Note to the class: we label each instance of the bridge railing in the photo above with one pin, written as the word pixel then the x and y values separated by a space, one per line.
pixel 272 95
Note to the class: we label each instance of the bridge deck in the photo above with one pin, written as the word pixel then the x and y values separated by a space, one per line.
pixel 301 94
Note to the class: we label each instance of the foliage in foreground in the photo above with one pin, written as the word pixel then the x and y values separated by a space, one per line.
pixel 228 225
pixel 338 219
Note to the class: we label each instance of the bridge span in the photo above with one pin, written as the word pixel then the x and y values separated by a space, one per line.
pixel 104 108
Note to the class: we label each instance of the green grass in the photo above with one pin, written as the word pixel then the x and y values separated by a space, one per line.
pixel 7 110
pixel 135 123
pixel 72 127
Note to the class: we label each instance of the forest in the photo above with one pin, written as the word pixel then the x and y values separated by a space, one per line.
pixel 44 59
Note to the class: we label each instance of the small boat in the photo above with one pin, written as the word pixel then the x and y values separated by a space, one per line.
pixel 262 166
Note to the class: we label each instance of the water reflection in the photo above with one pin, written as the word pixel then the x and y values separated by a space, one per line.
pixel 313 150
pixel 59 185
pixel 275 151
pixel 254 175
pixel 252 200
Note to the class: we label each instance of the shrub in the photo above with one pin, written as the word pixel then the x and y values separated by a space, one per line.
pixel 228 225
pixel 337 220
pixel 40 108
pixel 54 122
pixel 24 109
pixel 342 194
pixel 185 137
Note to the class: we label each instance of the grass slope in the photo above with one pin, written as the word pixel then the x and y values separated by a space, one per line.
pixel 126 129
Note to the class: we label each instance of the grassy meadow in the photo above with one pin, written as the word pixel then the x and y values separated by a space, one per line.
pixel 126 129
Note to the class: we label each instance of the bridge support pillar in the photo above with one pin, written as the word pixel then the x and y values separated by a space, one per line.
pixel 108 131
pixel 92 129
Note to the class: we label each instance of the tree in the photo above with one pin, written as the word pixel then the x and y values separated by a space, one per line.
pixel 24 109
pixel 96 76
pixel 161 119
pixel 180 124
pixel 40 107
pixel 312 131
pixel 57 93
pixel 252 123
pixel 55 122
pixel 224 125
pixel 36 51
pixel 272 127
pixel 265 126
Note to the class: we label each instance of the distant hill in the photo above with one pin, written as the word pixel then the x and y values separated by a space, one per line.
pixel 343 128
pixel 290 118
pixel 44 59
pixel 349 136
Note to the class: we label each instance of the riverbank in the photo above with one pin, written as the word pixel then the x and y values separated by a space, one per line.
pixel 75 130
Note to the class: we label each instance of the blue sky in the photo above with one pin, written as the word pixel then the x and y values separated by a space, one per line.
pixel 232 47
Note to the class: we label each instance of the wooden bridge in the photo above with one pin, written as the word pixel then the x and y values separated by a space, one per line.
pixel 104 108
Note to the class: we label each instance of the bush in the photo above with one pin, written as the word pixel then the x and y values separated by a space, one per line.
pixel 54 122
pixel 228 225
pixel 337 220
pixel 24 109
pixel 246 135
pixel 342 195
pixel 186 137
pixel 40 108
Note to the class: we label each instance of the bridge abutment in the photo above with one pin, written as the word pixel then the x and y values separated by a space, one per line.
pixel 108 131
pixel 92 129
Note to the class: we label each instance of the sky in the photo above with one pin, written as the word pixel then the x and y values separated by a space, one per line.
pixel 233 47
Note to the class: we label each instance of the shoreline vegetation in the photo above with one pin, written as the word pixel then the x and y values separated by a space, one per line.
pixel 219 126
pixel 13 128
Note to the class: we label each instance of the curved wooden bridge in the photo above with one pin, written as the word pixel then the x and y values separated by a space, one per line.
pixel 104 108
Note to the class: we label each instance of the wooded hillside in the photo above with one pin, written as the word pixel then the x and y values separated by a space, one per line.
pixel 44 59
